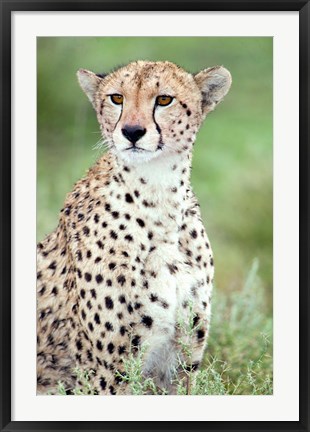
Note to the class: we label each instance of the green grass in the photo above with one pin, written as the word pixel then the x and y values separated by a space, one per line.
pixel 241 338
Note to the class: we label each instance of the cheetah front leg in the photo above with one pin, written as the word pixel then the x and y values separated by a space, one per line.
pixel 195 309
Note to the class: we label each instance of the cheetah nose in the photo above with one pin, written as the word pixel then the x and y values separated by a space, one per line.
pixel 133 133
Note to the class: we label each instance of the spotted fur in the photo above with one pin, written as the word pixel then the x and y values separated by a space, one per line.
pixel 130 252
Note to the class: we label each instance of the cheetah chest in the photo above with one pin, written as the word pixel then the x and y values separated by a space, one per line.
pixel 134 278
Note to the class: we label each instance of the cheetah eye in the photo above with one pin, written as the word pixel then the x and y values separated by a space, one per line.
pixel 164 100
pixel 117 99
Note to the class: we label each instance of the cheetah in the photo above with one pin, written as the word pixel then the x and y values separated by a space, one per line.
pixel 130 252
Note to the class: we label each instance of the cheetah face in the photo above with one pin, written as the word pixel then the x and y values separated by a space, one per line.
pixel 148 110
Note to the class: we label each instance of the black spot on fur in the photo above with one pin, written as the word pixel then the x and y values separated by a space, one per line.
pixel 192 367
pixel 86 231
pixel 100 244
pixel 193 234
pixel 111 347
pixel 42 290
pixel 140 222
pixel 87 277
pixel 195 320
pixel 200 334
pixel 52 266
pixel 112 265
pixel 108 326
pixel 103 383
pixel 121 280
pixel 121 349
pixel 153 298
pixel 113 235
pixel 136 341
pixel 109 303
pixel 99 345
pixel 147 321
pixel 122 299
pixel 172 268
pixel 99 278
pixel 128 198
pixel 79 345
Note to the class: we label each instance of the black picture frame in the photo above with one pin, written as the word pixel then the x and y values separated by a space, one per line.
pixel 7 7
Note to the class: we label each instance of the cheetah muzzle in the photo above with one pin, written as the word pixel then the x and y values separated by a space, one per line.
pixel 130 255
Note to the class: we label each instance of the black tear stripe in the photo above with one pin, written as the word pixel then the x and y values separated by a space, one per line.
pixel 118 118
pixel 160 143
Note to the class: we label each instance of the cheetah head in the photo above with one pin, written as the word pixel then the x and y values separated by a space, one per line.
pixel 148 109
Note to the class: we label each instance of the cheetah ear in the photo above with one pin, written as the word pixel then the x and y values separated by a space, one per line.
pixel 214 84
pixel 89 81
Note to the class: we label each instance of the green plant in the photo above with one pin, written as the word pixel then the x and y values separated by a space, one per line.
pixel 241 336
pixel 133 374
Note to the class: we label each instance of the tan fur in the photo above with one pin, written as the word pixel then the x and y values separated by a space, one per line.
pixel 130 252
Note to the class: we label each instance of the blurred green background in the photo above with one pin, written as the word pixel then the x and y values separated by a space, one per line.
pixel 232 176
pixel 232 166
